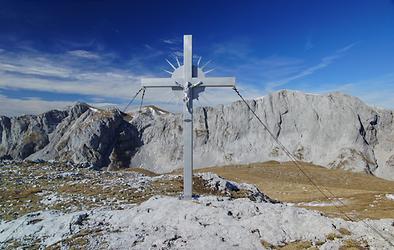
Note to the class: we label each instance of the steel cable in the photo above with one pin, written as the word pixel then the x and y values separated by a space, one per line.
pixel 295 161
pixel 132 99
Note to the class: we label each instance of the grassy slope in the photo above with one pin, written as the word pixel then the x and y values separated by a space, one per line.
pixel 364 194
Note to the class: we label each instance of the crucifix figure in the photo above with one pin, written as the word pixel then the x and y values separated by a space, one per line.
pixel 191 80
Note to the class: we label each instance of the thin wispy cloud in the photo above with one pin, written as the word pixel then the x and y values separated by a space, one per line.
pixel 377 91
pixel 76 44
pixel 346 48
pixel 267 74
pixel 147 46
pixel 178 53
pixel 172 41
pixel 84 54
pixel 35 68
pixel 324 62
pixel 235 50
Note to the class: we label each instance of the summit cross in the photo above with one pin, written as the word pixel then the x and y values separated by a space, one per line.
pixel 191 80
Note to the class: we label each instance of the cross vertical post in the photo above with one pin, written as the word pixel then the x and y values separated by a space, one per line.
pixel 191 79
pixel 188 119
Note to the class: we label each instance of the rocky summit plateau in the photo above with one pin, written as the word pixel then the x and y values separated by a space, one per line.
pixel 332 130
pixel 62 206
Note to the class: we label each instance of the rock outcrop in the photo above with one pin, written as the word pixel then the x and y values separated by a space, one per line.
pixel 79 134
pixel 332 130
pixel 99 137
pixel 24 135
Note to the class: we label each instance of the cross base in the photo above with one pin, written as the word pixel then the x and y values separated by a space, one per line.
pixel 188 197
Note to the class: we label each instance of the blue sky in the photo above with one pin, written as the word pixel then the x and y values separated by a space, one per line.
pixel 53 53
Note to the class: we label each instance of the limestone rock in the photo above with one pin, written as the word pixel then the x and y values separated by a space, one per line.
pixel 99 137
pixel 333 130
pixel 24 135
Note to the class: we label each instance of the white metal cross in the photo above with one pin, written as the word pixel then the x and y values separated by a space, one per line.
pixel 191 79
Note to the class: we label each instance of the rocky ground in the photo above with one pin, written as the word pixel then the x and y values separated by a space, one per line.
pixel 28 187
pixel 63 206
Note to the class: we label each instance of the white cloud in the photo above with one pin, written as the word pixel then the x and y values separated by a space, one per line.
pixel 33 105
pixel 62 74
pixel 84 54
pixel 66 73
pixel 104 84
pixel 35 68
pixel 378 91
pixel 13 106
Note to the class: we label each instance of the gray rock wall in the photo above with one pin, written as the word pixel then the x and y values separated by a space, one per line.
pixel 24 135
pixel 333 130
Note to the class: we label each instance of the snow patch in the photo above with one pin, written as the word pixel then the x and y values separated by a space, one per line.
pixel 339 202
pixel 52 199
pixel 155 111
pixel 390 196
pixel 94 109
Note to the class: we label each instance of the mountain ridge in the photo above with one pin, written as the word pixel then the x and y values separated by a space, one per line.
pixel 334 130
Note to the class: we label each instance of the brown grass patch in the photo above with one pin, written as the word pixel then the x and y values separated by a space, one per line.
pixel 354 245
pixel 344 231
pixel 139 170
pixel 333 236
pixel 363 194
pixel 298 245
pixel 76 241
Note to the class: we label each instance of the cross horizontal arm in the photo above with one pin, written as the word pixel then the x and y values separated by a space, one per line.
pixel 218 82
pixel 176 83
pixel 160 82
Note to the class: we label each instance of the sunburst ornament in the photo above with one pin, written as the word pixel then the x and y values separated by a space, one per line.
pixel 197 71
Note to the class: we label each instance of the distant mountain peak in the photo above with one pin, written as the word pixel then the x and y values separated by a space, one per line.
pixel 333 130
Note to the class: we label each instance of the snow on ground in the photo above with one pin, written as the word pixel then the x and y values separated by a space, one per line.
pixel 209 222
pixel 51 198
pixel 339 202
pixel 390 196
pixel 94 109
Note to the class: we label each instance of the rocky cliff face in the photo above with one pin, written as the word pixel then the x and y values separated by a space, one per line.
pixel 24 135
pixel 79 134
pixel 333 130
